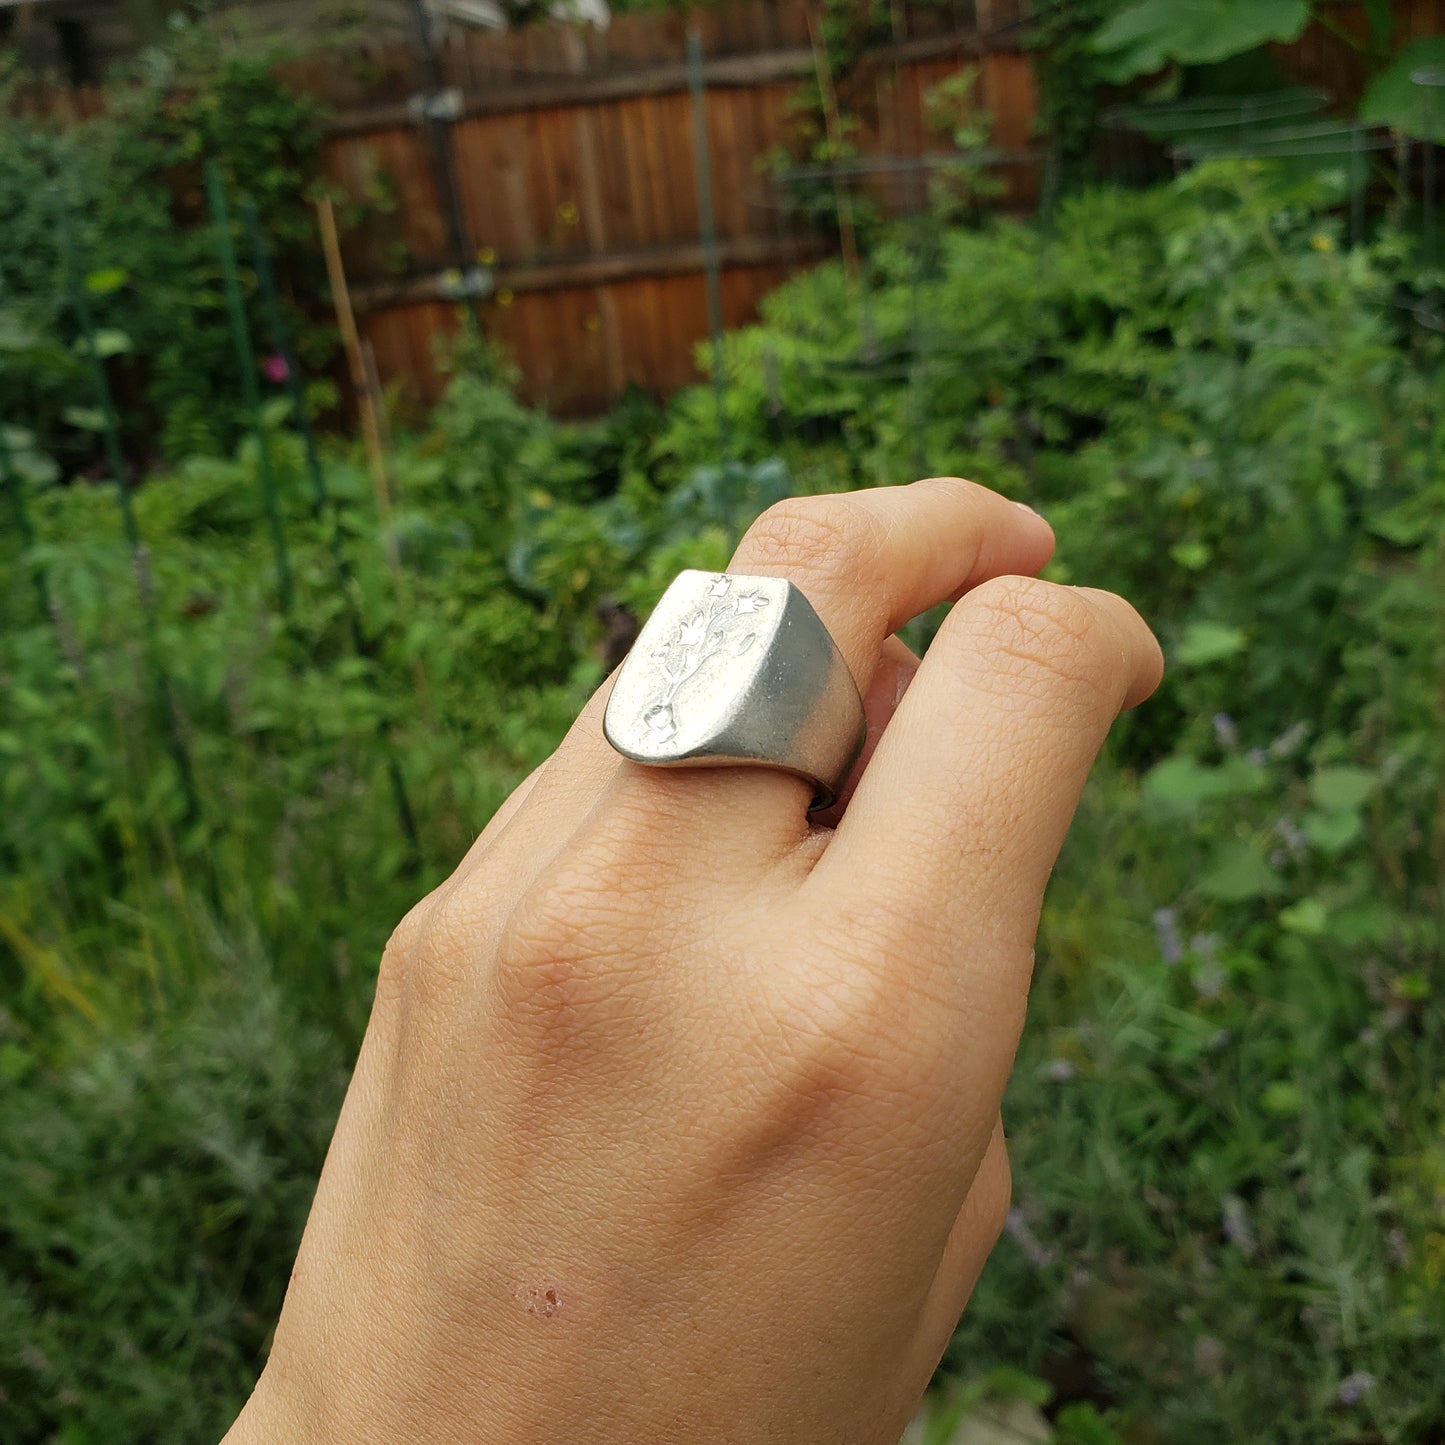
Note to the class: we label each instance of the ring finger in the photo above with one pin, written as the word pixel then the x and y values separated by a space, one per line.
pixel 867 562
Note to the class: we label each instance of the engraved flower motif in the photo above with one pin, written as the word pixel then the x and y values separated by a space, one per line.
pixel 692 632
pixel 719 585
pixel 751 602
pixel 662 721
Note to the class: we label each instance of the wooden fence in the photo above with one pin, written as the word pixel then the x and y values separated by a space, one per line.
pixel 576 175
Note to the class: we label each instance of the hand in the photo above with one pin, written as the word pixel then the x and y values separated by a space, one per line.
pixel 677 1117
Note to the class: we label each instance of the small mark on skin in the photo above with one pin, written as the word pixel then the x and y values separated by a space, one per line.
pixel 542 1301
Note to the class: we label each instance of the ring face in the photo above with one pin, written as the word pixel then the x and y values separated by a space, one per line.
pixel 737 670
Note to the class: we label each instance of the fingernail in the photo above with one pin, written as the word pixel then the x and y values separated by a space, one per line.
pixel 1024 507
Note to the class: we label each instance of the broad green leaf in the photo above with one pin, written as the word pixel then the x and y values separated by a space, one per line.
pixel 1413 986
pixel 1406 525
pixel 86 418
pixel 1182 783
pixel 1149 34
pixel 1341 789
pixel 1206 642
pixel 1192 556
pixel 108 342
pixel 15 337
pixel 36 468
pixel 1282 1098
pixel 1309 917
pixel 106 280
pixel 1331 832
pixel 1394 100
pixel 1237 873
pixel 1008 1382
pixel 1081 1424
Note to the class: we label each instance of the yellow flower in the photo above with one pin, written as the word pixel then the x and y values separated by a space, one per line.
pixel 505 297
pixel 567 213
pixel 1321 242
pixel 486 256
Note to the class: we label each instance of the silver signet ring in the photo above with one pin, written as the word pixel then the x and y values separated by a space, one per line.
pixel 734 670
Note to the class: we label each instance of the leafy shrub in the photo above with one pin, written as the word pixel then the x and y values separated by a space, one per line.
pixel 155 1184
pixel 131 180
pixel 1226 1118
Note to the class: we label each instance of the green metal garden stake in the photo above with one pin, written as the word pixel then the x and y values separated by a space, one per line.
pixel 285 348
pixel 110 423
pixel 707 224
pixel 115 460
pixel 246 362
pixel 10 480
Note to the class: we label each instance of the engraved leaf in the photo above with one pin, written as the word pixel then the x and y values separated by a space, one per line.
pixel 741 644
pixel 751 602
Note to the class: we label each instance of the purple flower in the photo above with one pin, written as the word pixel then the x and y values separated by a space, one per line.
pixel 1235 1225
pixel 1166 935
pixel 1205 946
pixel 1016 1226
pixel 1353 1388
pixel 1225 732
pixel 1059 1071
pixel 274 368
pixel 1209 982
pixel 1289 740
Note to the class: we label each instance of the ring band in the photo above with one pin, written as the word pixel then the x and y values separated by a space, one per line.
pixel 738 671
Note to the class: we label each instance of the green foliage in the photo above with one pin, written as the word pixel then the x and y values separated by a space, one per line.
pixel 154 1187
pixel 1394 100
pixel 960 190
pixel 1226 1119
pixel 1146 35
pixel 1070 77
pixel 132 180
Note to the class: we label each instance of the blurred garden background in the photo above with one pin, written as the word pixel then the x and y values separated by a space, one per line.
pixel 367 370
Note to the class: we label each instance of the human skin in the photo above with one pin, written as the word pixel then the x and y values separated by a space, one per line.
pixel 677 1115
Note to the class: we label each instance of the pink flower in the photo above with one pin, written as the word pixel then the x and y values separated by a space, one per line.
pixel 274 368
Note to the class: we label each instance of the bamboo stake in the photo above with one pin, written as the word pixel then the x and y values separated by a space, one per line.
pixel 371 431
pixel 356 362
pixel 326 509
pixel 373 387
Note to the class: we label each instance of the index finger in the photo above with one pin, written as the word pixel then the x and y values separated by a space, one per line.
pixel 957 822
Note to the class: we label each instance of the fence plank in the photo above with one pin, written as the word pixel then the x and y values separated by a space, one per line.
pixel 588 211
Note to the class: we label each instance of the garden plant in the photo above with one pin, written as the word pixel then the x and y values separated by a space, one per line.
pixel 1227 1120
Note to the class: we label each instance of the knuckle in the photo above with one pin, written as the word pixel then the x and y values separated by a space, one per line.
pixel 565 960
pixel 853 1035
pixel 438 944
pixel 1047 632
pixel 399 958
pixel 829 534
